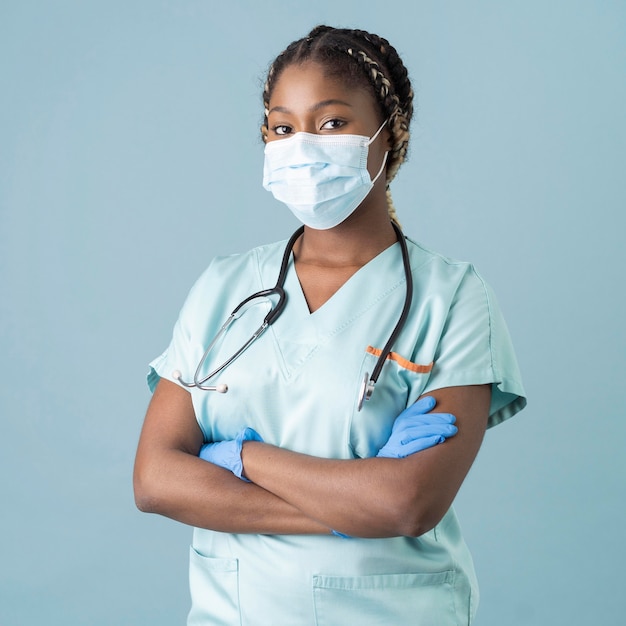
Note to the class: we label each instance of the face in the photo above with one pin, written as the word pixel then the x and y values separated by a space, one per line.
pixel 304 99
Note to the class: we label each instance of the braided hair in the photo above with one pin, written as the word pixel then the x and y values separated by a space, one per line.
pixel 361 59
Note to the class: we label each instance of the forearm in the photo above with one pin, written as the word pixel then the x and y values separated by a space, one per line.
pixel 361 497
pixel 185 488
pixel 378 497
pixel 170 479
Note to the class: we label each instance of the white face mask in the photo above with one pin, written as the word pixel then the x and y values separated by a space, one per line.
pixel 321 178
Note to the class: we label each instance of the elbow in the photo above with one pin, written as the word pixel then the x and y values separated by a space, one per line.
pixel 144 502
pixel 414 516
pixel 146 495
pixel 414 525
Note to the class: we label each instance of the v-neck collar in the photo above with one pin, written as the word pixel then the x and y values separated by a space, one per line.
pixel 369 284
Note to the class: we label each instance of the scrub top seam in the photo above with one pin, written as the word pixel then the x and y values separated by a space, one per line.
pixel 492 359
pixel 385 294
pixel 347 323
pixel 362 312
pixel 437 255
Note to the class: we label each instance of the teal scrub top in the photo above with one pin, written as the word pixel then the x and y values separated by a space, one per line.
pixel 297 385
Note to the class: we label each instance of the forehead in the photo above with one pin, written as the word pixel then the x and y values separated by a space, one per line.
pixel 305 84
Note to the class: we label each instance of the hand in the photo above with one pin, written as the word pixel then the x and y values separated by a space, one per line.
pixel 227 454
pixel 416 429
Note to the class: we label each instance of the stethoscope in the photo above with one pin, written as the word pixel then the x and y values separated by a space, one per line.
pixel 366 388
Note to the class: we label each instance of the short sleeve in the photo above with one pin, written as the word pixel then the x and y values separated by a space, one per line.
pixel 165 364
pixel 177 355
pixel 475 348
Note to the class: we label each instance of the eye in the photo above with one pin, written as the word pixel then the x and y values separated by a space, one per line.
pixel 334 124
pixel 281 129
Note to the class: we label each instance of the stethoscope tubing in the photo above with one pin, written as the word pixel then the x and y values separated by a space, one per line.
pixel 270 318
pixel 405 309
pixel 369 382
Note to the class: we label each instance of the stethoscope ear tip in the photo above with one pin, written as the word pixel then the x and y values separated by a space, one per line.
pixel 221 388
pixel 176 374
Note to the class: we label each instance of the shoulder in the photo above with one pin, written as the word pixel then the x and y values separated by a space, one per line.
pixel 261 254
pixel 242 267
pixel 449 278
pixel 468 338
pixel 229 279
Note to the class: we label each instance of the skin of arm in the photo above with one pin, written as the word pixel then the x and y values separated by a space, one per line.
pixel 379 497
pixel 293 493
pixel 171 480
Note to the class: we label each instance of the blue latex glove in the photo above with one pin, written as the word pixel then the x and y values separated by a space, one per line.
pixel 227 454
pixel 338 534
pixel 416 429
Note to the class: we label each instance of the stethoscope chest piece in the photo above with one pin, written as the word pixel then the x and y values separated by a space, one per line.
pixel 365 391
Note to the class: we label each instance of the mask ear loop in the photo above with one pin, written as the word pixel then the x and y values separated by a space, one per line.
pixel 375 135
pixel 382 167
pixel 370 142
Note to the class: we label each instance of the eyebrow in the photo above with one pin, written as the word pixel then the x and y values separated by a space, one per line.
pixel 315 107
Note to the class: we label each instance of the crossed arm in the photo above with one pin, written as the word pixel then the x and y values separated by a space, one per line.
pixel 293 493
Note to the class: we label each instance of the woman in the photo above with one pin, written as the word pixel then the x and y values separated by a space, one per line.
pixel 311 503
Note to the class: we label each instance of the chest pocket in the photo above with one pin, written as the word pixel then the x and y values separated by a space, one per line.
pixel 400 383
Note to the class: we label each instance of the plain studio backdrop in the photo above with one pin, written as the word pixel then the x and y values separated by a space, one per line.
pixel 130 156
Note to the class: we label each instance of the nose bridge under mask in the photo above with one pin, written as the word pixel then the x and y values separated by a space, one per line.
pixel 305 149
pixel 321 140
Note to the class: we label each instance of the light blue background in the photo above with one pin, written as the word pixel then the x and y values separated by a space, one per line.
pixel 129 156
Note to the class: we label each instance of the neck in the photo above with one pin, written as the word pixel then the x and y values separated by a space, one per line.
pixel 354 242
